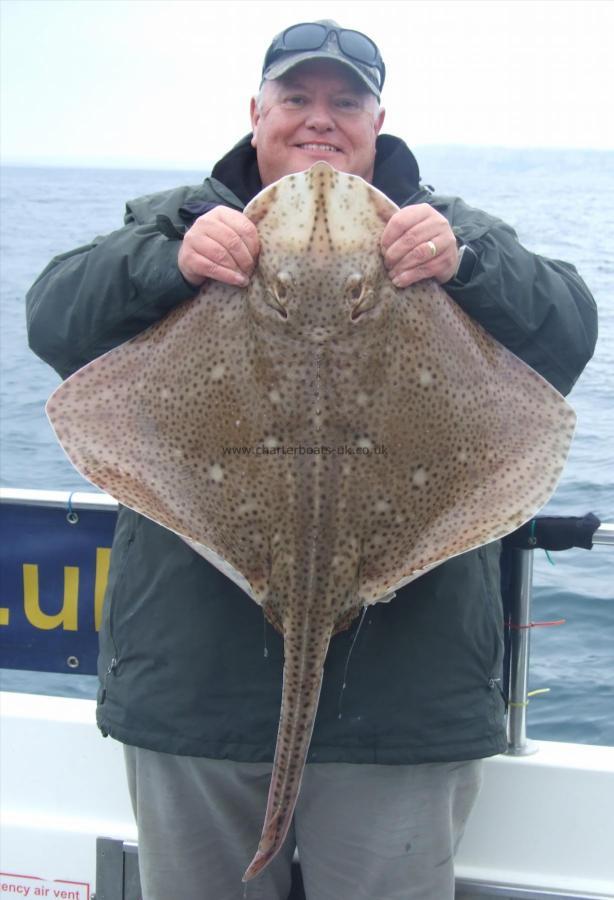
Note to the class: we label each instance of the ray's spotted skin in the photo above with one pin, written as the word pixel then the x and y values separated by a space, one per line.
pixel 322 437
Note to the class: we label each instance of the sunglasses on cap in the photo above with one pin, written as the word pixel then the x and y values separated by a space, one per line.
pixel 313 35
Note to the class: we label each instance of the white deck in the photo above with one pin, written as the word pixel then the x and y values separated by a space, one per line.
pixel 543 821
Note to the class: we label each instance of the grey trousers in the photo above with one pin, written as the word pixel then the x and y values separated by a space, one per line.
pixel 363 832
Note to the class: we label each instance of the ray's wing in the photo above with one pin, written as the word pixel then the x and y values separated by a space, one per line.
pixel 475 443
pixel 160 423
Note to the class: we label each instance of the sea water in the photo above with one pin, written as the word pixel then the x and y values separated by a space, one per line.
pixel 560 203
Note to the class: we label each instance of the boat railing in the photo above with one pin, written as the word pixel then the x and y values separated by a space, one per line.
pixel 520 625
pixel 75 507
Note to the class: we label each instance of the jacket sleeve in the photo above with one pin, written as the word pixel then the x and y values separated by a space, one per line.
pixel 91 299
pixel 539 308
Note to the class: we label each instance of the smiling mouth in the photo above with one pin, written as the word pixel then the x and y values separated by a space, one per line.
pixel 319 148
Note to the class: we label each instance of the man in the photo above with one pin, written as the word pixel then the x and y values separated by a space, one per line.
pixel 185 683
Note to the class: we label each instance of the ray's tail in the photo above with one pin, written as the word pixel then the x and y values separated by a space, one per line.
pixel 305 648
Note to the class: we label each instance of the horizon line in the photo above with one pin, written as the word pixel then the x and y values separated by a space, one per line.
pixel 193 165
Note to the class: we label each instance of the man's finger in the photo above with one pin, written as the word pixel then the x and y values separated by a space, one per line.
pixel 416 242
pixel 241 225
pixel 411 276
pixel 201 269
pixel 445 247
pixel 405 220
pixel 441 269
pixel 225 247
pixel 218 243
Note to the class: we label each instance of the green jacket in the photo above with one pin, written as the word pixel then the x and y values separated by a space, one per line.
pixel 182 664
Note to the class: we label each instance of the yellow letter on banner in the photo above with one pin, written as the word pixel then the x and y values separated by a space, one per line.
pixel 103 558
pixel 67 616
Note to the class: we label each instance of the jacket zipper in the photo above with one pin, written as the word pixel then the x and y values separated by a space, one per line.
pixel 110 670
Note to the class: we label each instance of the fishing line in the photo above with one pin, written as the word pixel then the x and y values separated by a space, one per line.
pixel 347 662
pixel 533 542
pixel 266 646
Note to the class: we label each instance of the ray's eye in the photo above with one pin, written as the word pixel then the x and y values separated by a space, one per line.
pixel 277 294
pixel 282 286
pixel 360 296
pixel 355 286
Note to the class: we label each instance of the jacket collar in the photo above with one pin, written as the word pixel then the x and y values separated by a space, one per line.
pixel 396 171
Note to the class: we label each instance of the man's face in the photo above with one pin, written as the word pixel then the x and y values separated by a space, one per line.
pixel 319 110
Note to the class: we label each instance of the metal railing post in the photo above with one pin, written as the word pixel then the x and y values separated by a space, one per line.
pixel 604 534
pixel 520 640
pixel 520 643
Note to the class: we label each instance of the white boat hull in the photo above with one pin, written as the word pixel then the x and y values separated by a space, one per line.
pixel 543 823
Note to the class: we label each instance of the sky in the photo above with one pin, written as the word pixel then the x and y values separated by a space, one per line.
pixel 166 83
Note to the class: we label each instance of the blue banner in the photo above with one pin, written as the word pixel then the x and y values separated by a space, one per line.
pixel 54 565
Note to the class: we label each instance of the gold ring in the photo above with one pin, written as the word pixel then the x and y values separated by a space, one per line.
pixel 432 248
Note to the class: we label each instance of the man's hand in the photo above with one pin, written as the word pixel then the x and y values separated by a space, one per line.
pixel 222 245
pixel 407 246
